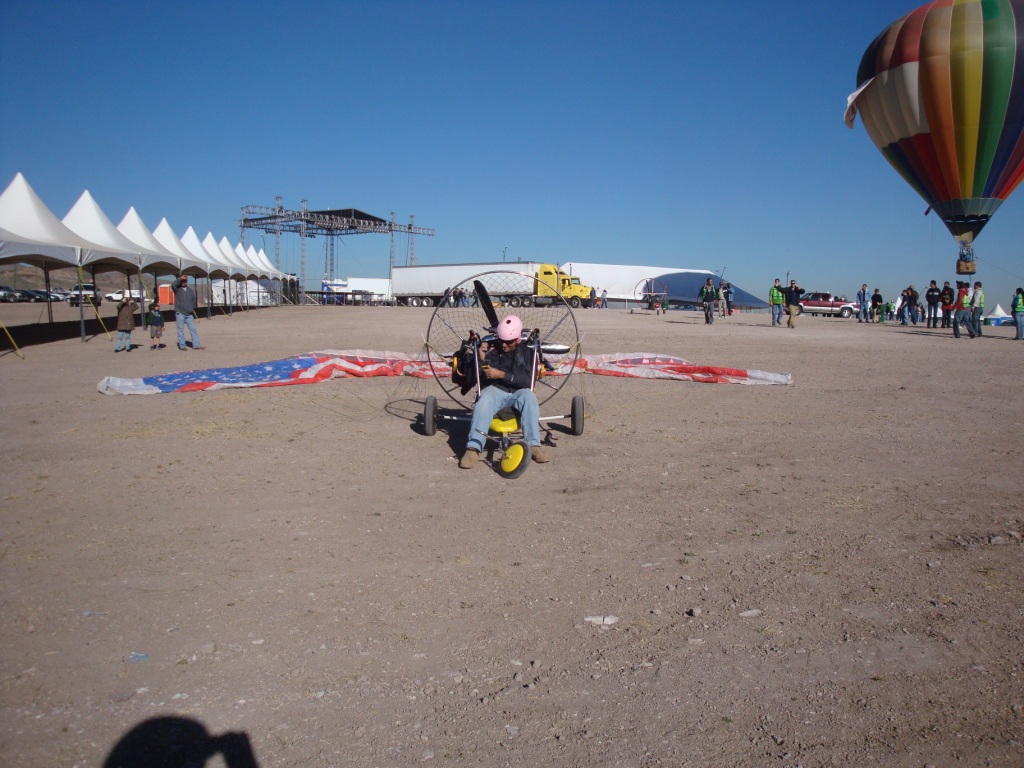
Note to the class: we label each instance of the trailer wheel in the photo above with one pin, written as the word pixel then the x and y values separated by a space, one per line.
pixel 527 301
pixel 427 301
pixel 430 416
pixel 514 302
pixel 574 302
pixel 576 414
pixel 413 301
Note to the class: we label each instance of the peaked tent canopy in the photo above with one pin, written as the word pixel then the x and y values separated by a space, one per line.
pixel 33 234
pixel 156 258
pixel 87 219
pixel 211 263
pixel 169 240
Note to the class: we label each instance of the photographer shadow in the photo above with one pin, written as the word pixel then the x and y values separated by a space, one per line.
pixel 178 742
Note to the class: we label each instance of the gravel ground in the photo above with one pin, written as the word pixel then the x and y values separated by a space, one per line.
pixel 822 574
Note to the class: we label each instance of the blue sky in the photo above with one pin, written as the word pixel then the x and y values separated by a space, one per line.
pixel 682 134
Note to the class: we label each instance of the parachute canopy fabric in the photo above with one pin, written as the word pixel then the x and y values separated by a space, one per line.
pixel 941 94
pixel 315 367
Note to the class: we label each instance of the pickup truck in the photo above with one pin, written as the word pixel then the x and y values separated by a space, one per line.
pixel 824 303
pixel 85 292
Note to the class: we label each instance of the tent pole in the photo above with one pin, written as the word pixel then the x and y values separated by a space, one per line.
pixel 49 304
pixel 81 297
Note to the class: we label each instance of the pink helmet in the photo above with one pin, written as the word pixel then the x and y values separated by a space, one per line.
pixel 510 328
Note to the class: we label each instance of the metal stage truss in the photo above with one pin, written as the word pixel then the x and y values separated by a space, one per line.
pixel 331 223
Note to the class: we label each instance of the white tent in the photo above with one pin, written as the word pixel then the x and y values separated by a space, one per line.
pixel 155 256
pixel 625 282
pixel 210 261
pixel 998 316
pixel 87 219
pixel 32 234
pixel 167 237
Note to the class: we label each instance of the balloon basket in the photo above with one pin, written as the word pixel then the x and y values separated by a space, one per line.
pixel 965 267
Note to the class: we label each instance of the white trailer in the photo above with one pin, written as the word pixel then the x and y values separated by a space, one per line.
pixel 530 283
pixel 425 285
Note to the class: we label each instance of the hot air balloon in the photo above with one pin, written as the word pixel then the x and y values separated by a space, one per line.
pixel 941 94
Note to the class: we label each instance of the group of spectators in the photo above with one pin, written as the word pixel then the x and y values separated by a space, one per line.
pixel 956 308
pixel 784 299
pixel 711 299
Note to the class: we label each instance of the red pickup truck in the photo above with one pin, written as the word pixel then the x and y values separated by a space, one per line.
pixel 823 303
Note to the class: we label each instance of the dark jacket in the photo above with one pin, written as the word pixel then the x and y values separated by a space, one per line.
pixel 126 314
pixel 184 297
pixel 792 294
pixel 518 363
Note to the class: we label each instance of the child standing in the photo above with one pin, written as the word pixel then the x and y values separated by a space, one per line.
pixel 156 325
pixel 125 322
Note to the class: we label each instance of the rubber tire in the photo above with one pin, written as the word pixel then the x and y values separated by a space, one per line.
pixel 413 301
pixel 845 312
pixel 426 301
pixel 527 301
pixel 799 310
pixel 577 415
pixel 515 460
pixel 515 302
pixel 574 302
pixel 430 416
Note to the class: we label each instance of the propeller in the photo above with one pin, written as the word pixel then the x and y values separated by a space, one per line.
pixel 485 301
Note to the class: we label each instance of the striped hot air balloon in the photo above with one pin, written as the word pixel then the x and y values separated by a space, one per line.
pixel 941 93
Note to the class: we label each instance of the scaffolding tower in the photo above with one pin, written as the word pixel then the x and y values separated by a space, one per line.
pixel 330 223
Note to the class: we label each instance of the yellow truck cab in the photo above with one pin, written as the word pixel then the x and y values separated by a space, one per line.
pixel 568 286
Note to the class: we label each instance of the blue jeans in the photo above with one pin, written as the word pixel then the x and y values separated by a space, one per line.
pixel 493 400
pixel 963 316
pixel 862 313
pixel 976 320
pixel 182 321
pixel 1018 320
pixel 123 336
pixel 776 314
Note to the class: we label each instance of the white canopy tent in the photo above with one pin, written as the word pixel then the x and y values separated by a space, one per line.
pixel 33 234
pixel 87 219
pixel 167 237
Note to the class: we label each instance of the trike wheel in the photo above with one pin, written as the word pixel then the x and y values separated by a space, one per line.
pixel 430 416
pixel 577 415
pixel 514 460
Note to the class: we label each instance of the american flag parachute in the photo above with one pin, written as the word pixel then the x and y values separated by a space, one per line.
pixel 315 367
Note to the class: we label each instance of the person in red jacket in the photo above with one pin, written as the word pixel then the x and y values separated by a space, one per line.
pixel 963 309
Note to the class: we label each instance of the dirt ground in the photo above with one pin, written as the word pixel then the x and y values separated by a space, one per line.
pixel 822 574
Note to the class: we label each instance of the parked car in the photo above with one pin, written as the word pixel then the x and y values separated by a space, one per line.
pixel 118 295
pixel 22 294
pixel 824 303
pixel 86 291
pixel 7 294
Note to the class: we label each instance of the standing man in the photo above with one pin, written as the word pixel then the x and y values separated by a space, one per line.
pixel 793 294
pixel 604 299
pixel 724 295
pixel 1017 307
pixel 776 300
pixel 947 297
pixel 932 297
pixel 877 307
pixel 184 306
pixel 864 300
pixel 707 297
pixel 593 297
pixel 977 307
pixel 963 310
